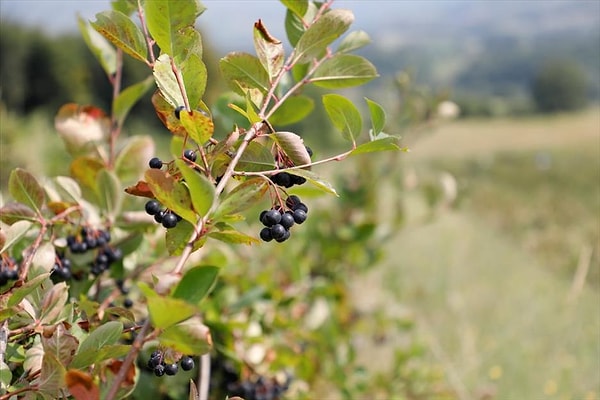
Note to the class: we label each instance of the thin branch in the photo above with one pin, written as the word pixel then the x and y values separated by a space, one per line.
pixel 115 126
pixel 204 381
pixel 135 348
pixel 33 249
pixel 149 41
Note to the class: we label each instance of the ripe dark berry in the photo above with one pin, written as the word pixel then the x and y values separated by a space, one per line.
pixel 12 274
pixel 282 179
pixel 190 155
pixel 287 220
pixel 309 151
pixel 278 231
pixel 171 369
pixel 187 363
pixel 297 180
pixel 159 370
pixel 155 163
pixel 301 206
pixel 91 242
pixel 178 111
pixel 271 218
pixel 265 234
pixel 169 220
pixel 152 207
pixel 286 236
pixel 158 217
pixel 299 216
pixel 292 201
pixel 128 303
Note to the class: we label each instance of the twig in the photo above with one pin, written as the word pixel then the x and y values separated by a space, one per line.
pixel 204 381
pixel 115 125
pixel 135 348
pixel 583 266
pixel 149 41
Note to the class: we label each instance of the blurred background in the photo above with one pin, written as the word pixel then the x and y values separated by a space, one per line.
pixel 472 267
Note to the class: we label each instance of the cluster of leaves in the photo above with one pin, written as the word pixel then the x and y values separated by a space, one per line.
pixel 69 338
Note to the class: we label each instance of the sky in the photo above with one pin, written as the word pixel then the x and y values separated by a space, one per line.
pixel 59 16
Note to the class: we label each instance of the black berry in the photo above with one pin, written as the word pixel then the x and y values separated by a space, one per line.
pixel 282 179
pixel 171 369
pixel 155 163
pixel 152 207
pixel 297 180
pixel 159 370
pixel 158 217
pixel 287 220
pixel 292 201
pixel 187 363
pixel 271 218
pixel 309 151
pixel 190 155
pixel 284 237
pixel 265 234
pixel 128 303
pixel 299 216
pixel 278 231
pixel 178 111
pixel 301 206
pixel 169 220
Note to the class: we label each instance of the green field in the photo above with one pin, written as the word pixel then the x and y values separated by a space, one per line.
pixel 491 279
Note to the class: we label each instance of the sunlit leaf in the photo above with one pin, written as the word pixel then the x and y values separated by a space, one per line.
pixel 166 20
pixel 29 286
pixel 176 239
pixel 343 71
pixel 104 52
pixel 202 191
pixel 198 125
pixel 242 197
pixel 89 356
pixel 315 180
pixel 293 110
pixel 256 158
pixel 344 115
pixel 298 7
pixel 268 49
pixel 24 188
pixel 294 17
pixel 196 283
pixel 167 82
pixel 121 31
pixel 85 170
pixel 194 75
pixel 322 33
pixel 233 236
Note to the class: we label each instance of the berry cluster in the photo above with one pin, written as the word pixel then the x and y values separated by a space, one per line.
pixel 8 270
pixel 279 220
pixel 61 271
pixel 166 218
pixel 287 180
pixel 87 239
pixel 260 389
pixel 157 364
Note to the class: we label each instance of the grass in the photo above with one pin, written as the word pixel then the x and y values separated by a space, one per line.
pixel 490 280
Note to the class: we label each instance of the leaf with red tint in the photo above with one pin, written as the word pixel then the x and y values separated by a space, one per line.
pixel 166 113
pixel 13 212
pixel 81 385
pixel 140 189
pixel 85 170
pixel 171 193
pixel 58 207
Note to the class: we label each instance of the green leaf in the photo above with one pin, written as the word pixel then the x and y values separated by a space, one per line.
pixel 167 82
pixel 110 192
pixel 166 311
pixel 377 117
pixel 293 110
pixel 6 375
pixel 14 233
pixel 344 115
pixel 202 191
pixel 268 49
pixel 132 160
pixel 293 147
pixel 177 238
pixel 194 75
pixel 233 236
pixel 256 158
pixel 24 188
pixel 294 25
pixel 60 343
pixel 242 197
pixel 315 180
pixel 172 194
pixel 191 337
pixel 121 31
pixel 13 212
pixel 353 41
pixel 243 71
pixel 298 7
pixel 100 47
pixel 343 71
pixel 107 334
pixel 127 7
pixel 29 286
pixel 384 144
pixel 128 97
pixel 53 303
pixel 166 19
pixel 196 283
pixel 88 357
pixel 322 33
pixel 85 170
pixel 198 125
pixel 52 374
